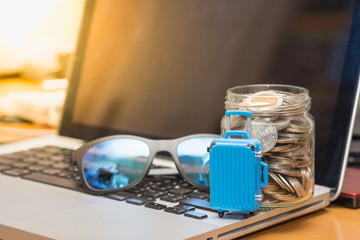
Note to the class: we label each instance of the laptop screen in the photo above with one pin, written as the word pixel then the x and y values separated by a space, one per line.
pixel 161 69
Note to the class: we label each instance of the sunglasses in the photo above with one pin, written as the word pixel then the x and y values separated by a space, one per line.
pixel 119 162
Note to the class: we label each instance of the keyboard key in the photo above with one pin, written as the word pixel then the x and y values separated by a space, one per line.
pixel 66 174
pixel 162 187
pixel 173 182
pixel 156 206
pixel 16 172
pixel 57 158
pixel 46 163
pixel 195 215
pixel 56 181
pixel 30 159
pixel 52 171
pixel 6 161
pixel 175 210
pixel 181 191
pixel 121 196
pixel 188 185
pixel 154 193
pixel 36 168
pixel 201 195
pixel 61 165
pixel 139 200
pixel 186 207
pixel 20 164
pixel 3 167
pixel 198 203
pixel 136 190
pixel 172 198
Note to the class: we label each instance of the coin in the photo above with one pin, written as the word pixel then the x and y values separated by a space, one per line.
pixel 297 186
pixel 281 148
pixel 289 159
pixel 294 128
pixel 288 172
pixel 287 140
pixel 289 187
pixel 281 124
pixel 280 181
pixel 284 197
pixel 294 135
pixel 307 178
pixel 265 131
pixel 286 148
pixel 266 99
pixel 269 201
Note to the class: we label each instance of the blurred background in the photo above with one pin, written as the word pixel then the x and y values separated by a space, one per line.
pixel 37 40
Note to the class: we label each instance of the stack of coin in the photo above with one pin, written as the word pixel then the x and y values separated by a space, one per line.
pixel 290 160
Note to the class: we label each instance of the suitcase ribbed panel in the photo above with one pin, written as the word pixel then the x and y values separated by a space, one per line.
pixel 232 178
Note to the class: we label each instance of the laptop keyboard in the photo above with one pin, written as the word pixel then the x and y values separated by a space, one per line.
pixel 53 165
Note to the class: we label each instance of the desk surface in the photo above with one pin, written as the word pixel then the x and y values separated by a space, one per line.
pixel 334 222
pixel 17 131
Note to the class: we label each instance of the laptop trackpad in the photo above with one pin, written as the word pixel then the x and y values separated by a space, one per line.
pixel 22 200
pixel 60 213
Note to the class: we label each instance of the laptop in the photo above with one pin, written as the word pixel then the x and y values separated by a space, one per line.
pixel 160 69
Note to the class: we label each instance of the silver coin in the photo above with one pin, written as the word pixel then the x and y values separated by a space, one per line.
pixel 300 191
pixel 281 124
pixel 307 179
pixel 265 131
pixel 278 180
pixel 287 172
pixel 281 148
pixel 287 140
pixel 288 185
pixel 294 135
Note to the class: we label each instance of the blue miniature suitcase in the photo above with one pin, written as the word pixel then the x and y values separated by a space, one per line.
pixel 237 173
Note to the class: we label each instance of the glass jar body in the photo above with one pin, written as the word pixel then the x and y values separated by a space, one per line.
pixel 291 157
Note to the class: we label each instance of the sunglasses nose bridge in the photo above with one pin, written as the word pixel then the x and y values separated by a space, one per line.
pixel 162 145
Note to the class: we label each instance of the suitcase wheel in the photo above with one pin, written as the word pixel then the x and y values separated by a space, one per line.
pixel 221 213
pixel 248 214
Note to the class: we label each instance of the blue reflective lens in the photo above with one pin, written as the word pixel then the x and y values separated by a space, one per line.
pixel 115 163
pixel 194 158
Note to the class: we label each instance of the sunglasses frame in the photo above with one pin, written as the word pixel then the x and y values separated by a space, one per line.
pixel 155 146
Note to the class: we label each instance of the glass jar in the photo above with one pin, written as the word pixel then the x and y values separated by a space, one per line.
pixel 290 157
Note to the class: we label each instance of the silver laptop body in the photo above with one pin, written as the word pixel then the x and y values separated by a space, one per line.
pixel 166 37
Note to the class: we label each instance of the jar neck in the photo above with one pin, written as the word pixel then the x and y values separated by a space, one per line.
pixel 276 100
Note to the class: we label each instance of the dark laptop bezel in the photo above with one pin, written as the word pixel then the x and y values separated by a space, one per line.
pixel 343 122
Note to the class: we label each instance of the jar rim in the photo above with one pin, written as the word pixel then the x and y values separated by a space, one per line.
pixel 290 89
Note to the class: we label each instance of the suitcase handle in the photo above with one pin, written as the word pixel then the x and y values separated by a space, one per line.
pixel 265 174
pixel 247 114
pixel 236 133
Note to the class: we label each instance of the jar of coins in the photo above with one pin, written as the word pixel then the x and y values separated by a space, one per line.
pixel 285 128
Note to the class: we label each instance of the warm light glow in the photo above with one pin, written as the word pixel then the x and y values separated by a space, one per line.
pixel 33 33
pixel 55 84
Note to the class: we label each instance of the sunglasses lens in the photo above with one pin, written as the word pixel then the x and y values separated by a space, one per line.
pixel 115 163
pixel 194 158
